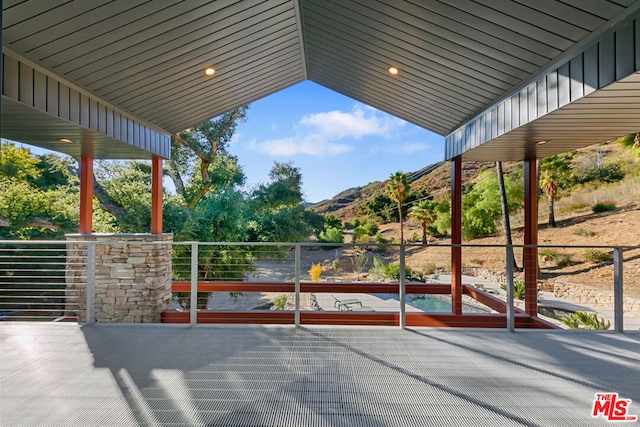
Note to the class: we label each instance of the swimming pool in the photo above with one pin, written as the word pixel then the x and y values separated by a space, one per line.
pixel 432 303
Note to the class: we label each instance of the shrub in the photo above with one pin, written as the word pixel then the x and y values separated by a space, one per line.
pixel 603 206
pixel 518 289
pixel 548 252
pixel 314 272
pixel 381 243
pixel 596 256
pixel 429 268
pixel 582 320
pixel 355 222
pixel 280 302
pixel 584 232
pixel 606 174
pixel 370 227
pixel 563 260
pixel 391 271
pixel 414 237
pixel 331 235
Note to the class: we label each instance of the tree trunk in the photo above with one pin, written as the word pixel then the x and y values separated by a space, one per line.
pixel 552 217
pixel 424 232
pixel 401 225
pixel 506 223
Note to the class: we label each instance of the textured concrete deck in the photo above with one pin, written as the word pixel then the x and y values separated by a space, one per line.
pixel 119 375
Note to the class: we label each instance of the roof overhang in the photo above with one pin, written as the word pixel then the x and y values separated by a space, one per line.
pixel 462 63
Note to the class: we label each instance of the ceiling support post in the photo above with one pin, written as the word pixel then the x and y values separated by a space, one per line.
pixel 531 237
pixel 86 195
pixel 156 195
pixel 456 235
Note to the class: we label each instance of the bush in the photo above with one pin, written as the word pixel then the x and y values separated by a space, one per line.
pixel 605 174
pixel 548 252
pixel 331 235
pixel 429 268
pixel 390 271
pixel 582 320
pixel 381 243
pixel 518 289
pixel 563 260
pixel 596 256
pixel 414 237
pixel 584 232
pixel 605 206
pixel 280 302
pixel 370 227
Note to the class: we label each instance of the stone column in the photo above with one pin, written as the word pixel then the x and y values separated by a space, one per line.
pixel 132 278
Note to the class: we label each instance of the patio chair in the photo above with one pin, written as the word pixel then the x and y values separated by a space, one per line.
pixel 346 304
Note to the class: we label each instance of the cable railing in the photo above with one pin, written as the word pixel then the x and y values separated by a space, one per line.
pixel 403 285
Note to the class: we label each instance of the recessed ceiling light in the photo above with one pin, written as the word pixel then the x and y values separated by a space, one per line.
pixel 209 71
pixel 542 142
pixel 393 71
pixel 66 140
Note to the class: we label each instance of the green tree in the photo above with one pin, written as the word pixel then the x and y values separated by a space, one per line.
pixel 481 206
pixel 284 188
pixel 398 190
pixel 195 157
pixel 424 212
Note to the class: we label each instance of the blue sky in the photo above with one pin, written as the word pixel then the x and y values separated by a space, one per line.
pixel 336 142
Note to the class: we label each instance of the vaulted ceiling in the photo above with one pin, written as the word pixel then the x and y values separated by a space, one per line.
pixel 145 59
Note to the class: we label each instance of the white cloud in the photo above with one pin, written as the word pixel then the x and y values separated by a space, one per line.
pixel 321 134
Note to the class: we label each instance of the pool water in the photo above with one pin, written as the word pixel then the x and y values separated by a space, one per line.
pixel 424 302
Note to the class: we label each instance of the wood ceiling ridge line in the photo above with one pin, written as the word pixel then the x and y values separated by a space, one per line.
pixel 18 56
pixel 174 40
pixel 297 5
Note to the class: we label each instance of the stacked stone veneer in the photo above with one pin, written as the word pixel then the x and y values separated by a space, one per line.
pixel 598 298
pixel 132 276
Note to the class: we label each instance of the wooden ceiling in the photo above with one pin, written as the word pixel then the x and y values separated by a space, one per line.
pixel 456 58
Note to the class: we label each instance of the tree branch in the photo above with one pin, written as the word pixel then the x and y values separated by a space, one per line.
pixel 105 201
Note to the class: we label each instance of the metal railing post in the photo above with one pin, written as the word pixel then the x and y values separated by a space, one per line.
pixel 618 296
pixel 193 316
pixel 91 282
pixel 509 273
pixel 297 286
pixel 403 289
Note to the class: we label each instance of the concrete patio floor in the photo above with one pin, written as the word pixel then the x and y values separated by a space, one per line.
pixel 64 374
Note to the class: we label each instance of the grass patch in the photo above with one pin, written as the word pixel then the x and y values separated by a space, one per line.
pixel 584 232
pixel 596 256
pixel 578 207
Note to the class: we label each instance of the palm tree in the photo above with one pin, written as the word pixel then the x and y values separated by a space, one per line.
pixel 424 212
pixel 556 171
pixel 398 190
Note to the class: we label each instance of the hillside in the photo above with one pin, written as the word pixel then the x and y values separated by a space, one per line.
pixel 434 178
pixel 578 224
